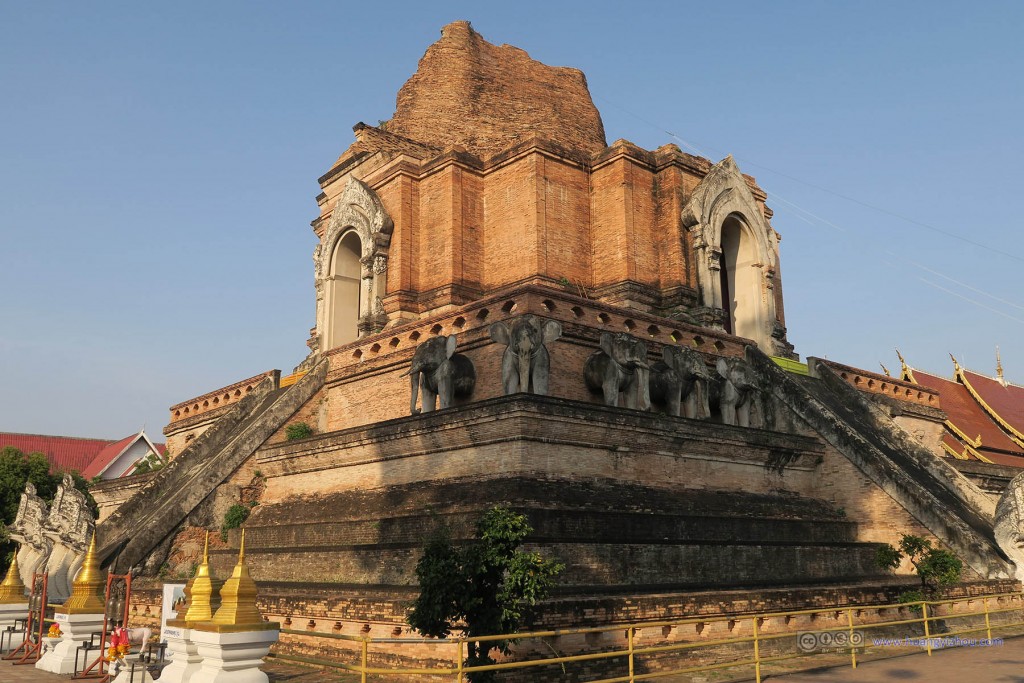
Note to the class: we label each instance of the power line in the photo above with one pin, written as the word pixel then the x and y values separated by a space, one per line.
pixel 747 162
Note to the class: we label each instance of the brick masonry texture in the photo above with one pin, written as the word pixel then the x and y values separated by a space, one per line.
pixel 506 200
pixel 484 98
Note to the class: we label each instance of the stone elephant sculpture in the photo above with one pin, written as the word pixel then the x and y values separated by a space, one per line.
pixel 440 373
pixel 682 381
pixel 620 367
pixel 526 362
pixel 740 400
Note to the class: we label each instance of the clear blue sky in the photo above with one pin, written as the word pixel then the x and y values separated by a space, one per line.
pixel 158 166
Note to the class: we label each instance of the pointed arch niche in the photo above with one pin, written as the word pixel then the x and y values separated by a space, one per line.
pixel 351 268
pixel 736 253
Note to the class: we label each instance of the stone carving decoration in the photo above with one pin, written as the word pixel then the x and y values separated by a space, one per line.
pixel 54 539
pixel 620 367
pixel 740 399
pixel 1009 523
pixel 526 363
pixel 69 527
pixel 723 193
pixel 359 209
pixel 27 530
pixel 682 381
pixel 440 374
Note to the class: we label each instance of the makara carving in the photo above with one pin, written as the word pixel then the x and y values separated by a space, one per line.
pixel 54 539
pixel 682 381
pixel 526 362
pixel 620 367
pixel 1009 523
pixel 440 374
pixel 740 399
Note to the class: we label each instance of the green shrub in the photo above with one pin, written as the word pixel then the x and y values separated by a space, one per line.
pixel 912 596
pixel 935 566
pixel 234 518
pixel 298 430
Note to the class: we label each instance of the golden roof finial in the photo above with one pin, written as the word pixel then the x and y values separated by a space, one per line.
pixel 885 370
pixel 999 368
pixel 12 590
pixel 906 374
pixel 956 366
pixel 238 610
pixel 87 588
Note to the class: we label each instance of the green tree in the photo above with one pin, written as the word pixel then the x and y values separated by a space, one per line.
pixel 150 463
pixel 18 469
pixel 489 587
pixel 935 566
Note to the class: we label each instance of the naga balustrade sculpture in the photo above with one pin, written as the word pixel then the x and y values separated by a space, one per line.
pixel 440 374
pixel 526 362
pixel 53 539
pixel 682 381
pixel 620 367
pixel 1009 523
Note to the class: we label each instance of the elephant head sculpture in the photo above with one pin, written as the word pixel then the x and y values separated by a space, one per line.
pixel 741 394
pixel 620 367
pixel 526 362
pixel 440 373
pixel 681 380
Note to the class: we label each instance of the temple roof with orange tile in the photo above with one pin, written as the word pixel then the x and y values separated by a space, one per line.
pixel 68 453
pixel 1005 400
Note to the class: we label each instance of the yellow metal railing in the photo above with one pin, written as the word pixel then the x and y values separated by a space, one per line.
pixel 854 620
pixel 291 379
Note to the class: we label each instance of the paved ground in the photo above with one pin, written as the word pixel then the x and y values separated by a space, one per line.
pixel 1000 664
pixel 277 673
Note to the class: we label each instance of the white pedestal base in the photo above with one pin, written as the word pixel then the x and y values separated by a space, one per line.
pixel 183 653
pixel 232 657
pixel 141 675
pixel 9 612
pixel 77 628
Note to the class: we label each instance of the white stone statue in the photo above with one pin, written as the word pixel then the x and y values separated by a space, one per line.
pixel 1009 523
pixel 53 538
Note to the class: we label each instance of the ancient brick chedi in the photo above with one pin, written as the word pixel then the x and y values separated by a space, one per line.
pixel 494 171
pixel 510 311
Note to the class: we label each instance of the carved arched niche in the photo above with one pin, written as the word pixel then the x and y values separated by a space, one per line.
pixel 351 264
pixel 736 253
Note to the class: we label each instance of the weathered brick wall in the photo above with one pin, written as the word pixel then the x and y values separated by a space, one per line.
pixel 484 97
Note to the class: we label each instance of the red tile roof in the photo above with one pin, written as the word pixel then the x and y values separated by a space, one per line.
pixel 67 453
pixel 1006 401
pixel 969 417
pixel 107 455
pixel 63 452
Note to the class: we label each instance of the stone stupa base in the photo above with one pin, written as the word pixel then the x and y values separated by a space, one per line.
pixel 183 653
pixel 9 613
pixel 78 629
pixel 232 657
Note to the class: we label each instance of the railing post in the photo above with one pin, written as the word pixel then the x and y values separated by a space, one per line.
pixel 458 659
pixel 853 649
pixel 988 624
pixel 362 668
pixel 924 617
pixel 757 653
pixel 629 639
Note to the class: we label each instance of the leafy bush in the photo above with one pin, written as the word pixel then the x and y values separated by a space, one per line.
pixel 299 430
pixel 935 566
pixel 489 587
pixel 912 596
pixel 234 518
